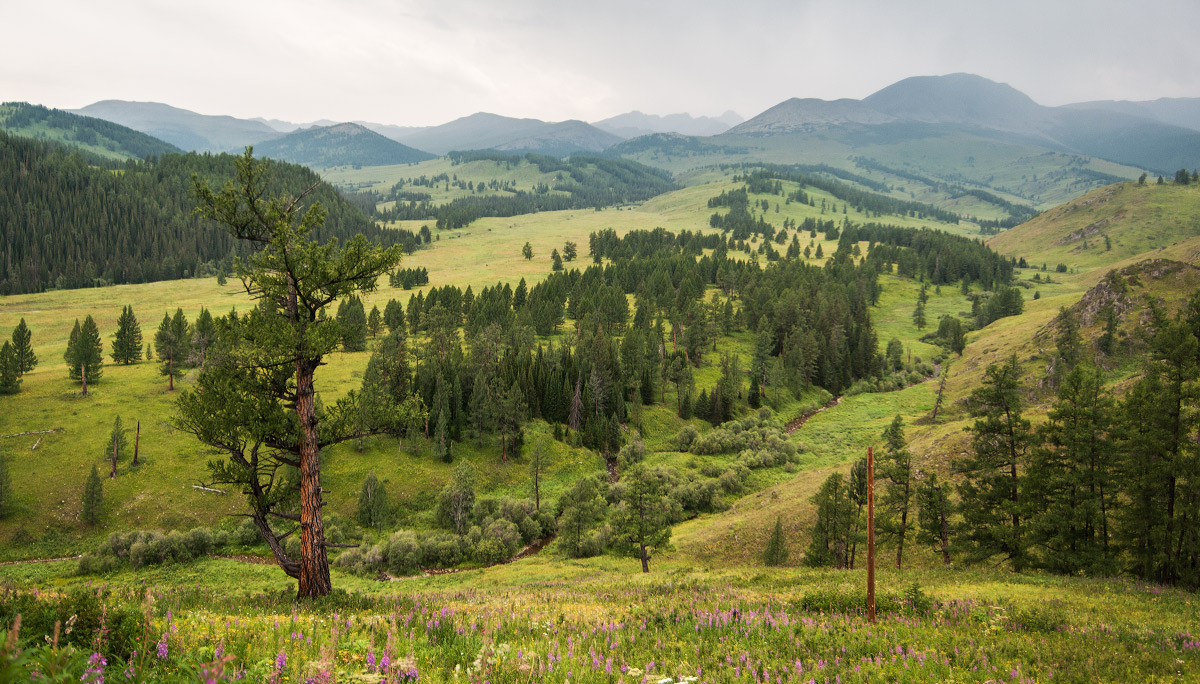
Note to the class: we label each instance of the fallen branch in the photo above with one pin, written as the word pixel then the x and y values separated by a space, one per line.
pixel 209 489
pixel 35 444
pixel 34 432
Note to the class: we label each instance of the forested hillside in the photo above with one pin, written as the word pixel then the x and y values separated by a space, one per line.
pixel 100 137
pixel 67 221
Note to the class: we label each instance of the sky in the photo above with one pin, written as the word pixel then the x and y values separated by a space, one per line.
pixel 425 62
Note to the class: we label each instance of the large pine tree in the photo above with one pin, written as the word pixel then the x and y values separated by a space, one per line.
pixel 895 468
pixel 10 369
pixel 173 342
pixel 84 356
pixel 23 348
pixel 127 344
pixel 990 491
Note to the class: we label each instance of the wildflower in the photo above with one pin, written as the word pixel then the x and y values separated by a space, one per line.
pixel 94 674
pixel 162 647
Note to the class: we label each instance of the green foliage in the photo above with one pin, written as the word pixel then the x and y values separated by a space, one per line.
pixel 373 507
pixel 173 342
pixel 642 515
pixel 457 499
pixel 776 551
pixel 84 351
pixel 934 511
pixel 93 495
pixel 127 343
pixel 581 509
pixel 7 503
pixel 992 508
pixel 896 473
pixel 10 369
pixel 836 530
pixel 133 222
pixel 352 319
pixel 118 442
pixel 22 344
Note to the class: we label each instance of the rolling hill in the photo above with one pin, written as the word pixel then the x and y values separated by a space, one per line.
pixel 97 136
pixel 185 129
pixel 483 131
pixel 635 123
pixel 346 144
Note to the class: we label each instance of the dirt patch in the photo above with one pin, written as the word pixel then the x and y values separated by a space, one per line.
pixel 797 423
pixel 41 560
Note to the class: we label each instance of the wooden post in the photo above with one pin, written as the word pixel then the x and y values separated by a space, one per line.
pixel 871 534
pixel 137 439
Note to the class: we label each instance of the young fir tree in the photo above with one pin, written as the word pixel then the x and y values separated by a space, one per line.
pixel 934 509
pixel 127 343
pixel 352 318
pixel 23 348
pixel 372 503
pixel 919 316
pixel 895 469
pixel 556 263
pixel 93 495
pixel 374 322
pixel 173 341
pixel 84 357
pixel 641 519
pixel 1072 479
pixel 527 251
pixel 833 534
pixel 776 552
pixel 117 443
pixel 393 316
pixel 10 370
pixel 204 333
pixel 990 491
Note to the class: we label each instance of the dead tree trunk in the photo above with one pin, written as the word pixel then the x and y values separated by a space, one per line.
pixel 137 439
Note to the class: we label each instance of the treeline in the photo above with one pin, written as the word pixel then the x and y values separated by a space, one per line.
pixel 932 255
pixel 583 181
pixel 65 222
pixel 1106 485
pixel 85 130
pixel 862 200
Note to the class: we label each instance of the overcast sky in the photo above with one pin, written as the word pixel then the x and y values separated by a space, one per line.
pixel 424 62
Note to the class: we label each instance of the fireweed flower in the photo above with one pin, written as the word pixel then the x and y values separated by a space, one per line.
pixel 162 647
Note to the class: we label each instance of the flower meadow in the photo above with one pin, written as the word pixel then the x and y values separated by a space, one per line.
pixel 580 625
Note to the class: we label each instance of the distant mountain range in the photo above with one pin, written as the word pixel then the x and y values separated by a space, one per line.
pixel 1160 135
pixel 96 136
pixel 345 144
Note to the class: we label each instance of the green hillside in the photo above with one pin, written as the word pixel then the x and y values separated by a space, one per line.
pixel 344 144
pixel 102 138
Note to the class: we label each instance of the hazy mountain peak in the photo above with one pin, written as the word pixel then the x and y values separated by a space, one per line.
pixel 957 98
pixel 637 123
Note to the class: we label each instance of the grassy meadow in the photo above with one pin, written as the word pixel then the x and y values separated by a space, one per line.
pixel 708 611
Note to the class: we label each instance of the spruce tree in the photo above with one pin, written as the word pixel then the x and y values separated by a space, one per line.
pixel 393 316
pixel 934 509
pixel 173 342
pixel 352 319
pixel 10 367
pixel 127 343
pixel 93 495
pixel 84 352
pixel 204 333
pixel 117 443
pixel 834 532
pixel 776 552
pixel 919 316
pixel 556 263
pixel 990 492
pixel 895 468
pixel 374 322
pixel 581 509
pixel 1071 480
pixel 23 348
pixel 641 519
pixel 527 251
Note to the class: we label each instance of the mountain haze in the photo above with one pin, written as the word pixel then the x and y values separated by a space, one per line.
pixel 345 144
pixel 635 123
pixel 182 128
pixel 97 136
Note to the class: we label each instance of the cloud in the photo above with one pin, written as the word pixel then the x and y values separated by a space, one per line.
pixel 423 62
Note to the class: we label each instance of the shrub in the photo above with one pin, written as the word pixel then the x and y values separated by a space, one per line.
pixel 403 553
pixel 199 542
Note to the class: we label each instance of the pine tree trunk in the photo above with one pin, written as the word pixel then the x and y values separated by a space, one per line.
pixel 314 563
pixel 113 473
pixel 83 377
pixel 137 440
pixel 645 560
pixel 171 374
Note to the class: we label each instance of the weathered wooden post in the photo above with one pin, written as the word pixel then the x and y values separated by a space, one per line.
pixel 137 440
pixel 871 534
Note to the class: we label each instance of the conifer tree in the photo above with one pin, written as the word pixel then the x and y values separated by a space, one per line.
pixel 580 510
pixel 776 552
pixel 990 492
pixel 833 535
pixel 93 495
pixel 117 443
pixel 570 251
pixel 556 261
pixel 527 251
pixel 23 348
pixel 173 342
pixel 641 519
pixel 204 332
pixel 127 343
pixel 919 316
pixel 84 352
pixel 10 376
pixel 895 467
pixel 374 322
pixel 1071 480
pixel 393 315
pixel 352 318
pixel 934 509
